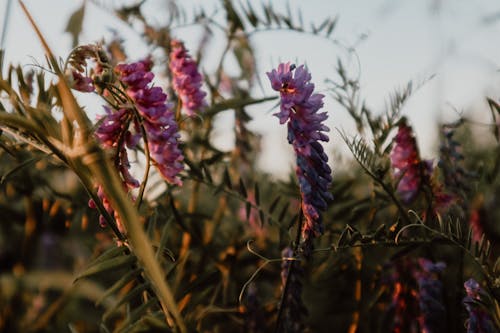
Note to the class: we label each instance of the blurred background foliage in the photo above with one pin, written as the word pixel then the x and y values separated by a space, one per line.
pixel 220 236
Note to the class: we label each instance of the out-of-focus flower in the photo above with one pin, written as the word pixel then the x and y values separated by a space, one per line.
pixel 408 169
pixel 77 62
pixel 187 80
pixel 254 317
pixel 299 106
pixel 81 83
pixel 404 309
pixel 294 308
pixel 476 225
pixel 480 320
pixel 417 305
pixel 430 296
pixel 109 209
pixel 253 215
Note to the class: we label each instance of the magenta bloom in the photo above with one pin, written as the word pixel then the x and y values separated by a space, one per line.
pixel 121 128
pixel 157 117
pixel 187 79
pixel 480 320
pixel 430 296
pixel 299 107
pixel 81 83
pixel 406 164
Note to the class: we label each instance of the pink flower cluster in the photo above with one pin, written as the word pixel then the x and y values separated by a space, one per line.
pixel 299 107
pixel 480 320
pixel 187 79
pixel 406 164
pixel 121 128
pixel 157 118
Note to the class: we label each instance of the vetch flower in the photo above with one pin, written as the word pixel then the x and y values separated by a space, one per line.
pixel 480 320
pixel 80 82
pixel 157 116
pixel 186 78
pixel 119 129
pixel 294 308
pixel 430 296
pixel 407 167
pixel 404 309
pixel 299 107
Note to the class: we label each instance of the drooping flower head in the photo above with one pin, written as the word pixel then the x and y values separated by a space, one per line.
pixel 187 80
pixel 121 129
pixel 299 107
pixel 157 118
pixel 406 164
pixel 430 296
pixel 480 320
pixel 77 62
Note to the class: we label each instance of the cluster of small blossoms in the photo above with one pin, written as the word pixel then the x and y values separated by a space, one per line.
pixel 406 164
pixel 451 163
pixel 254 317
pixel 187 79
pixel 411 172
pixel 430 296
pixel 121 129
pixel 157 116
pixel 299 106
pixel 404 309
pixel 294 309
pixel 480 320
pixel 77 63
pixel 417 304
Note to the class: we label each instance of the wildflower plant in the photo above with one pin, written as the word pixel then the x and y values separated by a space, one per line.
pixel 185 236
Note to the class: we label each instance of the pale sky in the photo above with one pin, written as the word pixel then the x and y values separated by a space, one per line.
pixel 457 40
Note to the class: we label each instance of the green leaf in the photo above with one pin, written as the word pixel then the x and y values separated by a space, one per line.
pixel 251 16
pixel 261 217
pixel 207 173
pixel 135 315
pixel 344 238
pixel 380 233
pixel 284 209
pixel 134 293
pixel 274 204
pixel 164 237
pixel 122 282
pixel 243 189
pixel 108 254
pixel 248 209
pixel 111 264
pixel 227 179
pixel 257 194
pixel 75 23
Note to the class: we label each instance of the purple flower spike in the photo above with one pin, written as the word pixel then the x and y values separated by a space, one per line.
pixel 294 309
pixel 480 320
pixel 158 118
pixel 406 164
pixel 299 107
pixel 430 296
pixel 187 79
